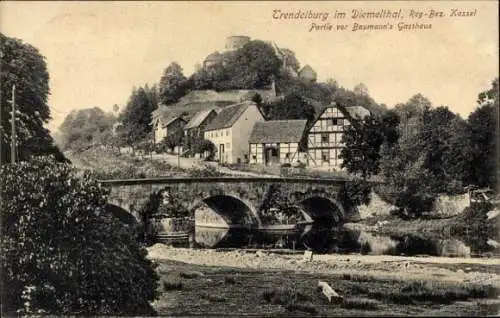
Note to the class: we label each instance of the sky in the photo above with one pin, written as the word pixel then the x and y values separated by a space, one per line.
pixel 97 52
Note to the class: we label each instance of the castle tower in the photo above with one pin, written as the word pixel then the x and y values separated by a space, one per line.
pixel 236 42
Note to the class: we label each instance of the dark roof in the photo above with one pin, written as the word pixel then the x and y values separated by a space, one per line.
pixel 187 111
pixel 278 131
pixel 228 116
pixel 198 118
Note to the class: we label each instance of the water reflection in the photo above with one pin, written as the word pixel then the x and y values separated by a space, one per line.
pixel 218 237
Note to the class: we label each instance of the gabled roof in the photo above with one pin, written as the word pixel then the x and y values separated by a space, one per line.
pixel 171 119
pixel 198 118
pixel 349 112
pixel 229 115
pixel 278 131
pixel 187 111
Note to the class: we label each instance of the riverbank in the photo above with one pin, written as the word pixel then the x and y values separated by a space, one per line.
pixel 462 270
pixel 258 283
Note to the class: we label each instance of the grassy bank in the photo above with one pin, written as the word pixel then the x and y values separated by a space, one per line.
pixel 107 164
pixel 202 290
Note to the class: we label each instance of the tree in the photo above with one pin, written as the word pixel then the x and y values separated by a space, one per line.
pixel 136 117
pixel 362 140
pixel 24 67
pixel 291 59
pixel 172 140
pixel 482 155
pixel 202 146
pixel 84 128
pixel 361 89
pixel 172 84
pixel 346 98
pixel 253 66
pixel 427 160
pixel 62 252
pixel 292 106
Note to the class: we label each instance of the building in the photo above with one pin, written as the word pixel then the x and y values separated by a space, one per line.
pixel 193 130
pixel 236 42
pixel 167 126
pixel 200 100
pixel 324 140
pixel 197 124
pixel 308 73
pixel 277 141
pixel 231 129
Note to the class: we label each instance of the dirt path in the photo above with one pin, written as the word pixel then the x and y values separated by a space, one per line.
pixel 484 271
pixel 190 163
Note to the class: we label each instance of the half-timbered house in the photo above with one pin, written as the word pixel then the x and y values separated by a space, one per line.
pixel 324 140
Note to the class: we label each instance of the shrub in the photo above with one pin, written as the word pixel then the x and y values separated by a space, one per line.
pixel 304 307
pixel 286 295
pixel 172 283
pixel 62 249
pixel 359 303
pixel 191 274
pixel 213 298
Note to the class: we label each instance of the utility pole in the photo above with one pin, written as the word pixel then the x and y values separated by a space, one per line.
pixel 13 147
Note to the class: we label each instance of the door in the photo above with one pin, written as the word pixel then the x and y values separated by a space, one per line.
pixel 221 152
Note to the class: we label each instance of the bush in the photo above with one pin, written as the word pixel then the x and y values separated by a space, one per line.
pixel 286 296
pixel 172 283
pixel 360 303
pixel 62 249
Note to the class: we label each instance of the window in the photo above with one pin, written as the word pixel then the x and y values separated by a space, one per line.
pixel 217 134
pixel 335 121
pixel 325 138
pixel 227 132
pixel 325 156
pixel 287 155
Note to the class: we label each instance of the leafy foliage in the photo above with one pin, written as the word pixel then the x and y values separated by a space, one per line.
pixel 203 145
pixel 86 127
pixel 483 136
pixel 24 67
pixel 474 229
pixel 251 67
pixel 428 159
pixel 292 106
pixel 64 250
pixel 136 117
pixel 173 84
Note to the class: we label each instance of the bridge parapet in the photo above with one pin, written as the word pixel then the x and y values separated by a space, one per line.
pixel 244 193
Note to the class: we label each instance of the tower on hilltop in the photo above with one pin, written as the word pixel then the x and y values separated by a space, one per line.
pixel 236 42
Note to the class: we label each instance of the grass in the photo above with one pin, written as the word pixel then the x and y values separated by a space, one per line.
pixel 435 292
pixel 229 279
pixel 360 303
pixel 172 283
pixel 191 274
pixel 232 291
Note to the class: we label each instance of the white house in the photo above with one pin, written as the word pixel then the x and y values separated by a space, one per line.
pixel 231 129
pixel 164 127
pixel 324 141
pixel 277 141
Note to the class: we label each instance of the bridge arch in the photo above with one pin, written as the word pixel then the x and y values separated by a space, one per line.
pixel 232 208
pixel 121 214
pixel 322 209
pixel 325 215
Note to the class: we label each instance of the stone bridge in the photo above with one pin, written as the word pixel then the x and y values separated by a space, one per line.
pixel 238 200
